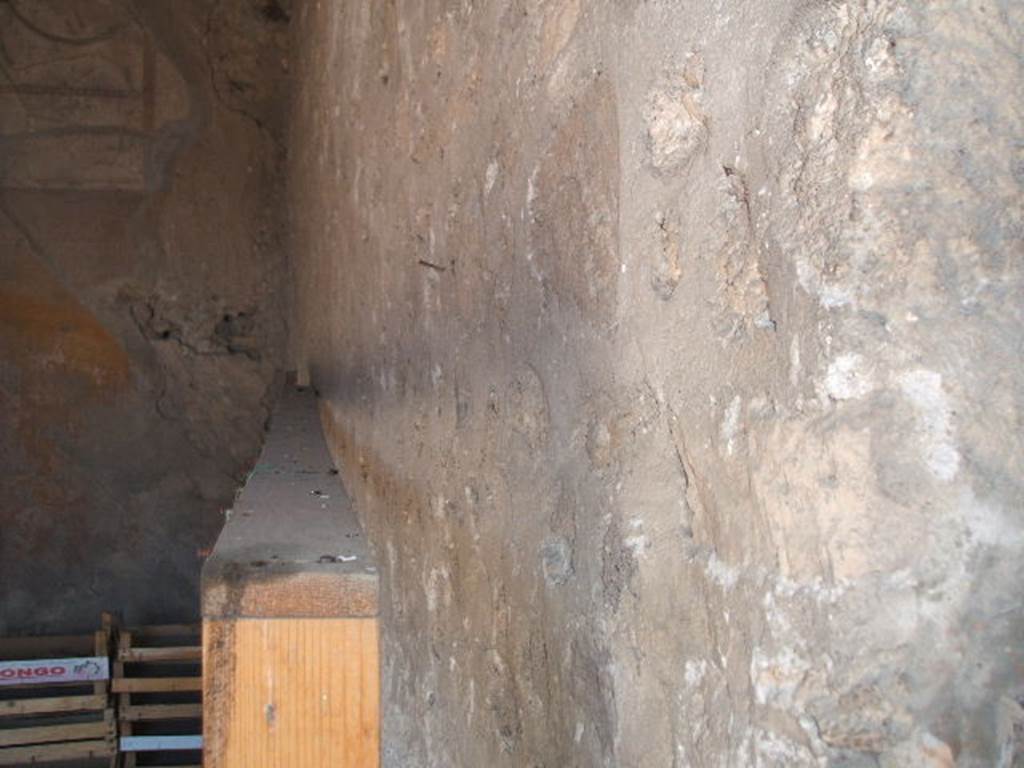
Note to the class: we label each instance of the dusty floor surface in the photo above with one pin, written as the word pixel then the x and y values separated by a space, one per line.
pixel 140 273
pixel 672 352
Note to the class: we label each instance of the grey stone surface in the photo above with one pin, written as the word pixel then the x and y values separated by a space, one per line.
pixel 672 357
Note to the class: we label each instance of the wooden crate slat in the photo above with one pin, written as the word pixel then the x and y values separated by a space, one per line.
pixel 150 712
pixel 41 706
pixel 156 684
pixel 157 654
pixel 45 734
pixel 57 687
pixel 49 753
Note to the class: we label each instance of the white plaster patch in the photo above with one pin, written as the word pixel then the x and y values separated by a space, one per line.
pixel 637 542
pixel 833 296
pixel 437 505
pixel 731 424
pixel 794 360
pixel 822 120
pixel 531 191
pixel 491 176
pixel 848 378
pixel 392 558
pixel 776 678
pixel 817 589
pixel 694 671
pixel 720 572
pixel 923 388
pixel 772 750
pixel 988 525
pixel 435 587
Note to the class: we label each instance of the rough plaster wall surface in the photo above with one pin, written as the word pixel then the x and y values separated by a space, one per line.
pixel 672 352
pixel 141 266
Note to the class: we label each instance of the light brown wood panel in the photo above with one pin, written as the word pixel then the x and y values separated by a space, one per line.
pixel 302 693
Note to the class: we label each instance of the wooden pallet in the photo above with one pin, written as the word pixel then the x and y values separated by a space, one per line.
pixel 44 717
pixel 157 684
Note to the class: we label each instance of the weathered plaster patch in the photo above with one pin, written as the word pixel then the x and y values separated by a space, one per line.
pixel 491 176
pixel 794 360
pixel 694 671
pixel 848 378
pixel 923 388
pixel 773 750
pixel 721 573
pixel 437 589
pixel 637 540
pixel 731 424
pixel 988 525
pixel 777 676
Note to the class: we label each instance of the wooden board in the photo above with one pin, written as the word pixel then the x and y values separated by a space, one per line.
pixel 52 705
pixel 50 753
pixel 297 692
pixel 156 684
pixel 153 655
pixel 137 713
pixel 46 734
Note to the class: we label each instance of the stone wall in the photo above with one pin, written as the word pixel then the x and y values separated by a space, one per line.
pixel 672 353
pixel 141 268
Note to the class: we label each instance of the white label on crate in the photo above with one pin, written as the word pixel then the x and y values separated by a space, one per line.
pixel 48 671
pixel 161 743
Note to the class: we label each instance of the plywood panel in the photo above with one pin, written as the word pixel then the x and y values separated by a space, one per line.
pixel 302 693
